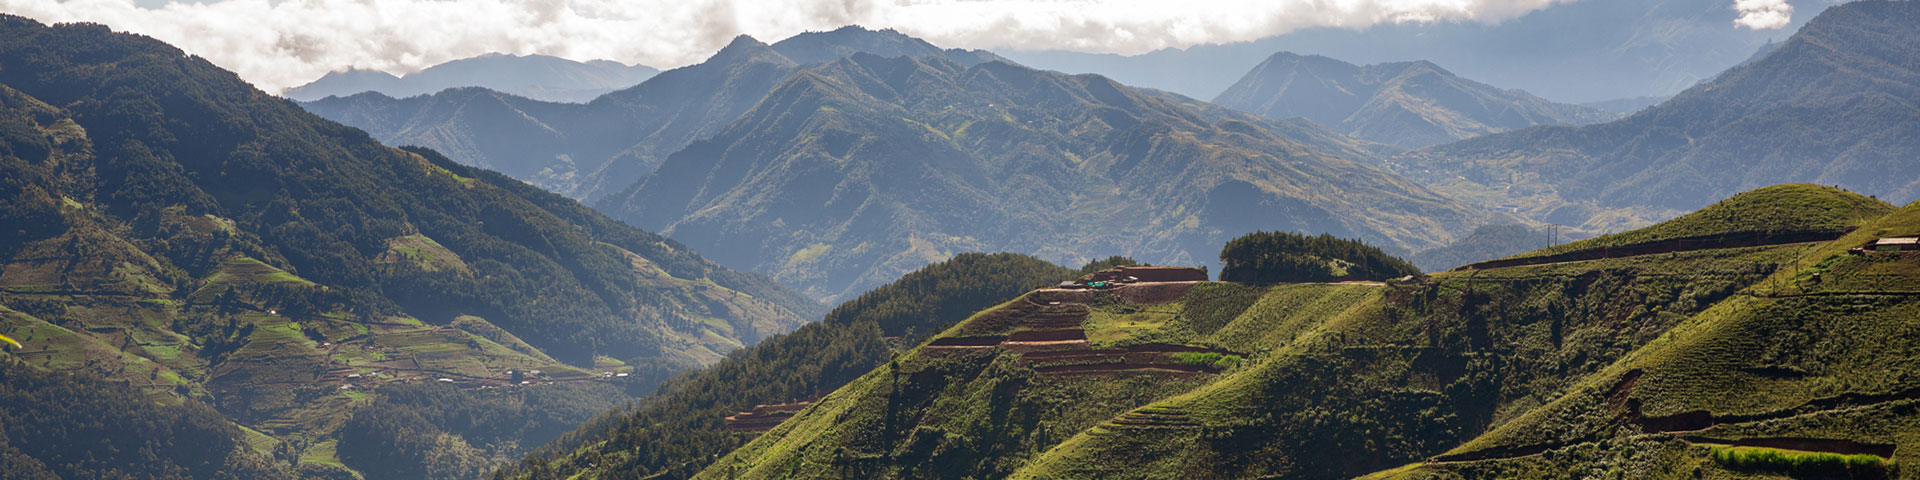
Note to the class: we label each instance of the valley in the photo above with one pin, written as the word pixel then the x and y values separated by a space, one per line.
pixel 460 240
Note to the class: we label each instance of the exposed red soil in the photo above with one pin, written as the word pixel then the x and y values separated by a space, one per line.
pixel 1153 293
pixel 764 417
pixel 1047 296
pixel 1048 335
pixel 978 342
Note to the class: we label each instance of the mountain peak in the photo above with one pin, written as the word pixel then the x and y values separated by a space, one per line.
pixel 856 29
pixel 822 47
pixel 742 41
pixel 742 48
pixel 1814 109
pixel 1369 102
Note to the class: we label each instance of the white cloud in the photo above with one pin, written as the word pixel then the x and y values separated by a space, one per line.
pixel 282 43
pixel 1763 14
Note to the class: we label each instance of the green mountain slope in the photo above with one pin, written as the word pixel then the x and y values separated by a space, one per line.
pixel 172 228
pixel 1810 374
pixel 586 151
pixel 678 431
pixel 852 172
pixel 1409 104
pixel 55 423
pixel 1831 105
pixel 1304 380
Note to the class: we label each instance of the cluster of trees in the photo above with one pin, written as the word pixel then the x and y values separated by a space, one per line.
pixel 678 430
pixel 57 425
pixel 1274 257
pixel 437 431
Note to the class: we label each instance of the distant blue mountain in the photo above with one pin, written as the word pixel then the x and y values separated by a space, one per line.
pixel 1585 51
pixel 538 77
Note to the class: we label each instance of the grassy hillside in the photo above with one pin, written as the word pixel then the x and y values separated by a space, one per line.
pixel 678 430
pixel 172 229
pixel 1780 210
pixel 1797 370
pixel 1335 381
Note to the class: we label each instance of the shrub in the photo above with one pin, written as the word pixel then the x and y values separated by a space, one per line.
pixel 1208 359
pixel 1803 464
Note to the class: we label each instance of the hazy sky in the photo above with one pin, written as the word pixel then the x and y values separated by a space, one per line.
pixel 283 43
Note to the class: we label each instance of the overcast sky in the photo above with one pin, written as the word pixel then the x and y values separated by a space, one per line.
pixel 283 43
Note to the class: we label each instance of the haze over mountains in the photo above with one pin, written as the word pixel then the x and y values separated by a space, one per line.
pixel 859 170
pixel 1583 51
pixel 1831 105
pixel 538 77
pixel 1410 104
pixel 590 150
pixel 839 176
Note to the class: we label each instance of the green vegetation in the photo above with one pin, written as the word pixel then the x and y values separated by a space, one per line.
pixel 678 430
pixel 435 431
pixel 1060 165
pixel 1274 257
pixel 175 233
pixel 1523 372
pixel 1802 464
pixel 1778 210
pixel 1208 359
pixel 55 424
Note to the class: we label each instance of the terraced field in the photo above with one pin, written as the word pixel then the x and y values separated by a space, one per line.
pixel 1724 360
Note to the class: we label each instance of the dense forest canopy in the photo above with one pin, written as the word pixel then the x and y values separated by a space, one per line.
pixel 1272 257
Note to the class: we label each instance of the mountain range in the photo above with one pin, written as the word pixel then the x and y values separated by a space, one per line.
pixel 1585 51
pixel 539 77
pixel 1410 104
pixel 199 279
pixel 856 171
pixel 839 176
pixel 590 150
pixel 174 233
pixel 1829 105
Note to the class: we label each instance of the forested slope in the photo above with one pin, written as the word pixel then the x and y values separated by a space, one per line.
pixel 171 227
pixel 679 430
